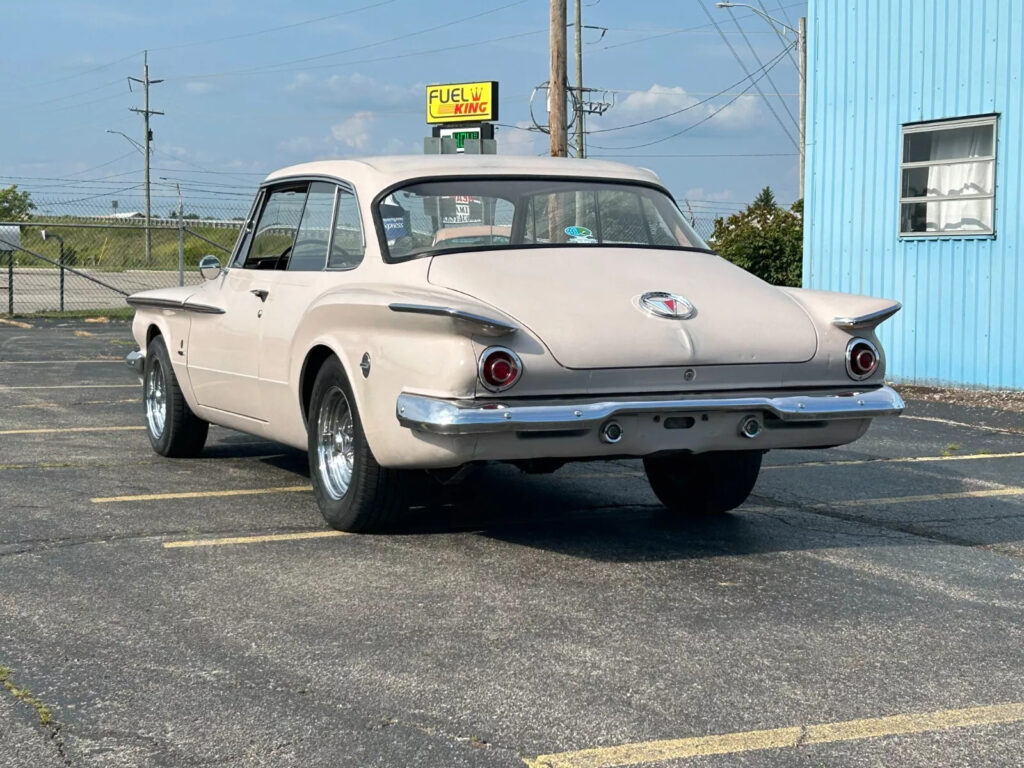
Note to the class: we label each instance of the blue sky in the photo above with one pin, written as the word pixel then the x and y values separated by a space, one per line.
pixel 252 86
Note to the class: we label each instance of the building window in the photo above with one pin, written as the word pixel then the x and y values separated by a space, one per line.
pixel 947 178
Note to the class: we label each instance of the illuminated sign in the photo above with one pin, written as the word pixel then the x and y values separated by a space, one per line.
pixel 461 136
pixel 462 102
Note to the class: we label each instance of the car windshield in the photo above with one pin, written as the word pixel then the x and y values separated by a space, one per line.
pixel 456 214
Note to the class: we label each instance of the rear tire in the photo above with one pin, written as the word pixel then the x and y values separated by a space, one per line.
pixel 173 429
pixel 703 484
pixel 354 493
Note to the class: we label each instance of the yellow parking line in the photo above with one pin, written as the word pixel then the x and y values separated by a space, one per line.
pixel 51 430
pixel 898 460
pixel 202 494
pixel 15 323
pixel 4 387
pixel 926 497
pixel 252 539
pixel 644 753
pixel 62 362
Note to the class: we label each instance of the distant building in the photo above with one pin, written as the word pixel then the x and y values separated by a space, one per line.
pixel 915 178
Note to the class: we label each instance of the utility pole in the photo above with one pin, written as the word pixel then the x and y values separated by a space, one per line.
pixel 556 104
pixel 581 150
pixel 801 57
pixel 147 136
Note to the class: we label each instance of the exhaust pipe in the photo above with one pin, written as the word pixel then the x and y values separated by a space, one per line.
pixel 750 427
pixel 611 432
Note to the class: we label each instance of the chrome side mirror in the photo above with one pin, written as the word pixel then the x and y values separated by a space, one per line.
pixel 209 267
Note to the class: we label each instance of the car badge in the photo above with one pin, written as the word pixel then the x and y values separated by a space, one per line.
pixel 665 304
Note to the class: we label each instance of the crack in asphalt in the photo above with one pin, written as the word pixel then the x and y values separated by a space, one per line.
pixel 43 714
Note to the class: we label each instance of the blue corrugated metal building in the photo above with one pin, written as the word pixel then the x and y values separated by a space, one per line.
pixel 914 185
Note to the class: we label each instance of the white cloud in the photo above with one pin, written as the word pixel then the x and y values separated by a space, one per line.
pixel 199 87
pixel 699 193
pixel 674 107
pixel 358 90
pixel 354 133
pixel 518 142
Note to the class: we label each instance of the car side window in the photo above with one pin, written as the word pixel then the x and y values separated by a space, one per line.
pixel 347 245
pixel 278 224
pixel 310 250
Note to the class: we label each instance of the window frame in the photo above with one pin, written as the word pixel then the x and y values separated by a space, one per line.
pixel 382 241
pixel 244 241
pixel 929 126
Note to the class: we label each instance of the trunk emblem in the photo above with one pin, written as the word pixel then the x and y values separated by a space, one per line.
pixel 665 304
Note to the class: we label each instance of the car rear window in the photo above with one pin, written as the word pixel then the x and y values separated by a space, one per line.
pixel 432 217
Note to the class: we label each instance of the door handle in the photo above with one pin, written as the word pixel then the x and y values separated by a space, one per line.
pixel 261 293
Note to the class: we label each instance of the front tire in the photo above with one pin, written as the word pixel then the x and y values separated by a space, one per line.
pixel 703 484
pixel 354 493
pixel 173 429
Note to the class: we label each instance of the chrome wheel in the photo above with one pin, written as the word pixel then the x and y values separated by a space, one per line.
pixel 335 443
pixel 156 398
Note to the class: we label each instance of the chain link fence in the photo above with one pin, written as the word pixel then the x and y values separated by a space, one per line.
pixel 91 258
pixel 76 257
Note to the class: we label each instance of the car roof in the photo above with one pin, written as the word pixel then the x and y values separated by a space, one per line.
pixel 381 172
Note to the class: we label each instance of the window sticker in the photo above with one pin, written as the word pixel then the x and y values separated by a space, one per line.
pixel 580 235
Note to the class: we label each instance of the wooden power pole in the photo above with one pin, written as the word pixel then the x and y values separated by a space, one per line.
pixel 147 137
pixel 556 85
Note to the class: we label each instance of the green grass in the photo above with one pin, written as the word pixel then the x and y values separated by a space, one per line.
pixel 26 696
pixel 119 248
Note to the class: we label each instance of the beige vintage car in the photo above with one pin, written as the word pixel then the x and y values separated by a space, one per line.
pixel 579 317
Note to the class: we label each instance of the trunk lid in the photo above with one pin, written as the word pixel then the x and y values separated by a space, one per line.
pixel 583 304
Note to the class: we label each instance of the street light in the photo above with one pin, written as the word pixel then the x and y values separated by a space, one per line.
pixel 181 231
pixel 801 65
pixel 43 234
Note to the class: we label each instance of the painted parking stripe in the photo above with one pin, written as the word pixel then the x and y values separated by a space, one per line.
pixel 982 494
pixel 5 387
pixel 947 422
pixel 229 540
pixel 62 430
pixel 897 460
pixel 202 494
pixel 15 323
pixel 93 361
pixel 646 753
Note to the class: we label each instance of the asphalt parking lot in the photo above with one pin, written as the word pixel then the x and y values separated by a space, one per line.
pixel 864 608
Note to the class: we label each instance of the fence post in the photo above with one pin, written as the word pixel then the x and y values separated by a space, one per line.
pixel 10 282
pixel 61 275
pixel 181 240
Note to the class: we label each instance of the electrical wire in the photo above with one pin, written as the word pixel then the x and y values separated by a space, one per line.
pixel 273 29
pixel 275 67
pixel 771 82
pixel 693 125
pixel 743 66
pixel 764 68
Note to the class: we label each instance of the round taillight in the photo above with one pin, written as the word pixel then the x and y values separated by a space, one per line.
pixel 861 359
pixel 499 368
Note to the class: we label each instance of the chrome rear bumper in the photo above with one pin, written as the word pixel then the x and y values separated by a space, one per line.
pixel 472 417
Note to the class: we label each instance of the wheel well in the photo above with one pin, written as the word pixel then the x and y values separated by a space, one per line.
pixel 151 333
pixel 315 358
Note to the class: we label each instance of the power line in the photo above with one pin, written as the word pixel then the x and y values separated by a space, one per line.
pixel 274 29
pixel 275 67
pixel 757 58
pixel 764 69
pixel 685 29
pixel 699 122
pixel 743 66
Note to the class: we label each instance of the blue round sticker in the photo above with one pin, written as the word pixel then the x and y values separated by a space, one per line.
pixel 578 232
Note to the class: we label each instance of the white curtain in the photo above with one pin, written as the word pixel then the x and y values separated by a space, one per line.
pixel 960 179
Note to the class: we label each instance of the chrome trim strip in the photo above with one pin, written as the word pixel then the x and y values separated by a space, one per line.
pixel 186 306
pixel 867 321
pixel 136 361
pixel 487 326
pixel 470 417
